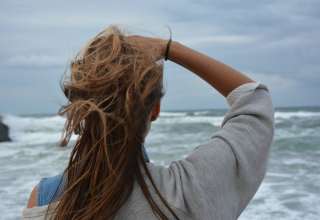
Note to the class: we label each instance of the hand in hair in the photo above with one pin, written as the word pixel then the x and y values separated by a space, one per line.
pixel 155 46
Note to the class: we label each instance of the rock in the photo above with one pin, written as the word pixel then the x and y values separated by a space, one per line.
pixel 4 132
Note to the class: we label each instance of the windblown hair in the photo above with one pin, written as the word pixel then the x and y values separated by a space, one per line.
pixel 112 88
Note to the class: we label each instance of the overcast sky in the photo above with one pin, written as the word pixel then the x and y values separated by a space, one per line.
pixel 274 42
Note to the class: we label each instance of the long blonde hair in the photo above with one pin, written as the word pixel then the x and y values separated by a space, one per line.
pixel 113 87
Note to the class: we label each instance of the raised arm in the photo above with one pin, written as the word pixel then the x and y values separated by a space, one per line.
pixel 219 75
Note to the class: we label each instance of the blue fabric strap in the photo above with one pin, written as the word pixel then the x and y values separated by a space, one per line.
pixel 50 188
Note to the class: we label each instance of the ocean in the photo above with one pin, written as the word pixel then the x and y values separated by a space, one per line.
pixel 290 190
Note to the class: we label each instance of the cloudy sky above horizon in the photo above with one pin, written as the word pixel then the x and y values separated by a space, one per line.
pixel 274 42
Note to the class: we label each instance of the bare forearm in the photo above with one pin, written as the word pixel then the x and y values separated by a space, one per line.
pixel 219 75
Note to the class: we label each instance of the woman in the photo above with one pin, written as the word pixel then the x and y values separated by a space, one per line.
pixel 115 91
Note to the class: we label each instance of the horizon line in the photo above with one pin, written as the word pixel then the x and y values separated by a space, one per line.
pixel 167 110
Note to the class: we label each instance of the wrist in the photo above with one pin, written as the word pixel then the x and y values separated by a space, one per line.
pixel 174 46
pixel 166 54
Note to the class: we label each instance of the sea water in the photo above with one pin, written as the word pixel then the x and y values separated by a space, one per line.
pixel 290 190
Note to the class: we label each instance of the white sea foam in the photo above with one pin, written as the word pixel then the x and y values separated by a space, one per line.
pixel 215 121
pixel 19 123
pixel 34 130
pixel 172 114
pixel 202 113
pixel 287 115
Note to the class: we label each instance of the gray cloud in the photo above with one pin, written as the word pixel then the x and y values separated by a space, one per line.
pixel 275 42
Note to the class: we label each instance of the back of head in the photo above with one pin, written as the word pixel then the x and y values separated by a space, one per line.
pixel 112 88
pixel 114 77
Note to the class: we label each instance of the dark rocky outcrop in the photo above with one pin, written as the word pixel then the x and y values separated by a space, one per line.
pixel 4 132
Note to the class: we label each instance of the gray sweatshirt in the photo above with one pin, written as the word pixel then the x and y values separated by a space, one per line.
pixel 218 178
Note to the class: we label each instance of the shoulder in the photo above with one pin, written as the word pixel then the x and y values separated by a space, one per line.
pixel 47 190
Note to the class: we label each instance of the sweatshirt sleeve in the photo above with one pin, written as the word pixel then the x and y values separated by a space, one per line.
pixel 229 167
